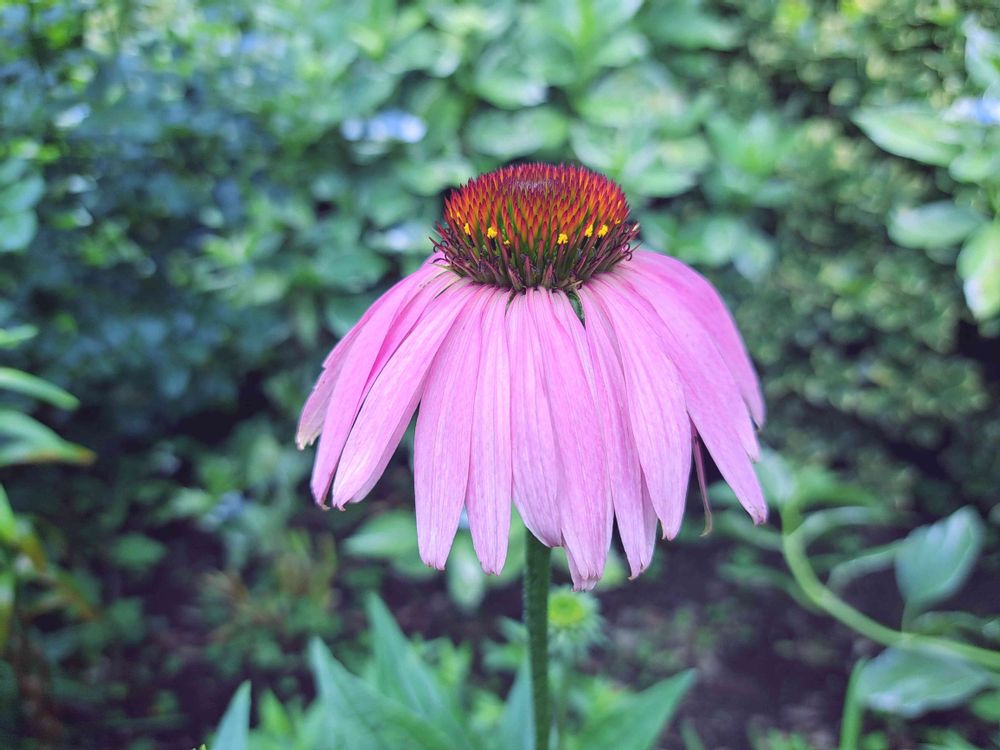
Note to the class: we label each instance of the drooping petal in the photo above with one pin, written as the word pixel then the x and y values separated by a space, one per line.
pixel 374 339
pixel 581 582
pixel 647 534
pixel 654 395
pixel 314 410
pixel 634 514
pixel 699 296
pixel 377 319
pixel 444 433
pixel 584 495
pixel 534 464
pixel 720 419
pixel 488 498
pixel 393 399
pixel 695 355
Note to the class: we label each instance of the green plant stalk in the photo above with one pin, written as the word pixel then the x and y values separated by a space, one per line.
pixel 794 549
pixel 536 621
pixel 850 724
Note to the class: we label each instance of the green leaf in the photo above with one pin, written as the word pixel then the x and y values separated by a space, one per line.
pixel 385 536
pixel 361 718
pixel 637 722
pixel 933 226
pixel 669 168
pixel 987 706
pixel 21 195
pixel 642 94
pixel 273 717
pixel 464 19
pixel 17 335
pixel 934 561
pixel 431 176
pixel 982 54
pixel 975 165
pixel 403 676
pixel 31 385
pixel 754 146
pixel 722 238
pixel 508 80
pixel 28 441
pixel 684 25
pixel 909 683
pixel 912 131
pixel 137 552
pixel 8 521
pixel 465 576
pixel 518 719
pixel 342 312
pixel 506 135
pixel 235 725
pixel 17 231
pixel 11 169
pixel 979 267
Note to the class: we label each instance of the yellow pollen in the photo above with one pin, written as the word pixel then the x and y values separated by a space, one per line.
pixel 589 232
pixel 562 239
pixel 467 228
pixel 491 232
pixel 600 232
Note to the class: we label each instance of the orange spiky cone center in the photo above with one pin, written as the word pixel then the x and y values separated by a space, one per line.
pixel 533 225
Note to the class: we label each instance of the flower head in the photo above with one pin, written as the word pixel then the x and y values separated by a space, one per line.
pixel 554 367
pixel 536 225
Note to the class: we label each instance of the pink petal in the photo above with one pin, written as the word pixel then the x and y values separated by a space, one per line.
pixel 654 395
pixel 634 513
pixel 647 533
pixel 444 433
pixel 374 339
pixel 586 511
pixel 314 411
pixel 698 295
pixel 693 352
pixel 385 307
pixel 534 464
pixel 393 398
pixel 581 582
pixel 489 496
pixel 721 420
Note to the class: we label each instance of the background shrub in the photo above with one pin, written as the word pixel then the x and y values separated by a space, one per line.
pixel 196 198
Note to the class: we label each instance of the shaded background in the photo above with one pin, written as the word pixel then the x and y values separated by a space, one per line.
pixel 197 199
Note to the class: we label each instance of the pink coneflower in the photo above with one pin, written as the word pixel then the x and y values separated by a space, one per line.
pixel 554 365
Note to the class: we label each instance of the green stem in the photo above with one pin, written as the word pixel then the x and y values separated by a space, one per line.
pixel 793 546
pixel 850 724
pixel 536 620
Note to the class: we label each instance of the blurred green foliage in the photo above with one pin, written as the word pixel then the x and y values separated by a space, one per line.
pixel 196 198
pixel 402 700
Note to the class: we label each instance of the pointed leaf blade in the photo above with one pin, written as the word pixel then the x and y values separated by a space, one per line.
pixel 234 729
pixel 934 561
pixel 641 718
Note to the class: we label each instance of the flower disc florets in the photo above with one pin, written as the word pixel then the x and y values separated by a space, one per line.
pixel 536 225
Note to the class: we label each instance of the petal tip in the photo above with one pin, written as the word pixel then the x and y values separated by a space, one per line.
pixel 671 528
pixel 637 571
pixel 302 441
pixel 434 560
